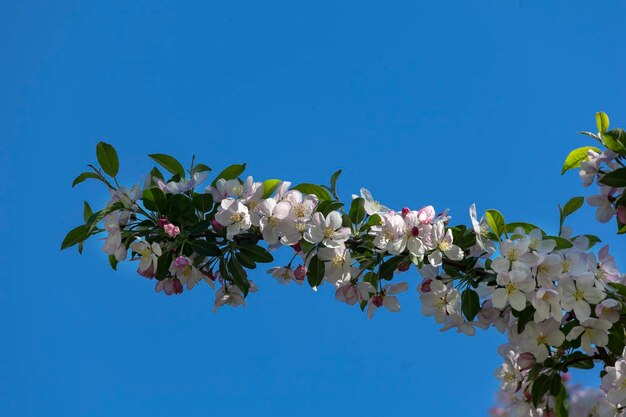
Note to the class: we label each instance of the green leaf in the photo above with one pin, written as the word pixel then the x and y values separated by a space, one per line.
pixel 615 140
pixel 84 176
pixel 113 262
pixel 163 266
pixel 470 304
pixel 316 271
pixel 155 172
pixel 560 403
pixel 257 253
pixel 524 317
pixel 372 278
pixel 582 361
pixel 181 210
pixel 204 248
pixel 317 190
pixel 75 236
pixel 170 163
pixel 87 211
pixel 245 260
pixel 561 243
pixel 154 200
pixel 306 246
pixel 357 210
pixel 269 186
pixel 200 168
pixel 388 267
pixel 592 240
pixel 541 385
pixel 327 206
pixel 230 173
pixel 496 222
pixel 572 206
pixel 333 181
pixel 107 158
pixel 203 202
pixel 615 178
pixel 602 121
pixel 527 227
pixel 239 275
pixel 576 156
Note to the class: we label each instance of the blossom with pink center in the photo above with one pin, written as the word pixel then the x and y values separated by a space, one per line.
pixel 327 230
pixel 387 298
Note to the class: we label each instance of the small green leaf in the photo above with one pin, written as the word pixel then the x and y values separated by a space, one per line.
pixel 561 243
pixel 372 278
pixel 357 210
pixel 333 181
pixel 615 178
pixel 541 385
pixel 317 190
pixel 170 163
pixel 524 317
pixel 592 240
pixel 470 304
pixel 113 262
pixel 576 156
pixel 75 236
pixel 245 260
pixel 84 176
pixel 527 227
pixel 154 200
pixel 316 271
pixel 615 140
pixel 87 211
pixel 239 275
pixel 257 253
pixel 204 248
pixel 560 403
pixel 602 121
pixel 203 202
pixel 496 222
pixel 107 158
pixel 163 266
pixel 388 267
pixel 230 173
pixel 200 168
pixel 269 186
pixel 572 206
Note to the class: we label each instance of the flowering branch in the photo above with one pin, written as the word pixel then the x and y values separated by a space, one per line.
pixel 560 304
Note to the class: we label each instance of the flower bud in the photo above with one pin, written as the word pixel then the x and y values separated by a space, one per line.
pixel 425 285
pixel 300 272
pixel 171 230
pixel 149 272
pixel 216 225
pixel 404 266
pixel 163 221
pixel 566 377
pixel 526 361
pixel 405 211
pixel 377 300
pixel 297 247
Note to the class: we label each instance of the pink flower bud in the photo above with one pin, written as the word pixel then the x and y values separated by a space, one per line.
pixel 621 214
pixel 148 273
pixel 297 247
pixel 404 266
pixel 163 221
pixel 171 230
pixel 566 377
pixel 216 225
pixel 300 272
pixel 526 361
pixel 377 300
pixel 425 285
pixel 426 214
pixel 172 286
pixel 405 211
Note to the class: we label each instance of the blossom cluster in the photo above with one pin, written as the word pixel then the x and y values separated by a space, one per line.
pixel 558 302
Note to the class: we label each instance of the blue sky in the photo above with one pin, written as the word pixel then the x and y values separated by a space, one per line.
pixel 443 103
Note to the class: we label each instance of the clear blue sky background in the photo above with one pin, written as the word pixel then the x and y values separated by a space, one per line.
pixel 447 103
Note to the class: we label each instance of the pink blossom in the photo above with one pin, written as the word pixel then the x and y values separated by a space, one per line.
pixel 425 215
pixel 171 230
pixel 300 272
